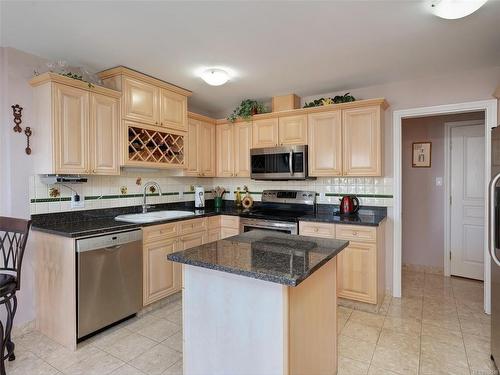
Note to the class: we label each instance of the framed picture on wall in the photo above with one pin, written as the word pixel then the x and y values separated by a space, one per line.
pixel 422 154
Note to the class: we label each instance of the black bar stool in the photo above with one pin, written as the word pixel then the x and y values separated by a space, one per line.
pixel 13 238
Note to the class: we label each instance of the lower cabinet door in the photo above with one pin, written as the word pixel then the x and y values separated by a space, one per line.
pixel 213 235
pixel 357 272
pixel 161 276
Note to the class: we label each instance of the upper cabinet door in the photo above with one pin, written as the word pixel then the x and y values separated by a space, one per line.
pixel 173 110
pixel 224 144
pixel 71 124
pixel 325 143
pixel 265 133
pixel 140 101
pixel 104 122
pixel 192 155
pixel 207 149
pixel 293 130
pixel 362 145
pixel 242 146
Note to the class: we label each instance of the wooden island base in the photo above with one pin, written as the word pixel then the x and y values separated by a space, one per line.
pixel 238 325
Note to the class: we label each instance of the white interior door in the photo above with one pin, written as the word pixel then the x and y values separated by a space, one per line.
pixel 467 201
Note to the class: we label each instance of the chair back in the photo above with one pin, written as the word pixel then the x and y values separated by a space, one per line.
pixel 13 239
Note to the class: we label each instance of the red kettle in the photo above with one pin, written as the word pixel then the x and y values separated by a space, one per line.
pixel 349 204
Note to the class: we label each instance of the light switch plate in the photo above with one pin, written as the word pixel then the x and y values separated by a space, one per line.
pixel 439 181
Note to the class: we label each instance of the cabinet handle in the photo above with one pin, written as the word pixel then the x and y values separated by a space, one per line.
pixel 161 123
pixel 93 170
pixel 354 233
pixel 316 230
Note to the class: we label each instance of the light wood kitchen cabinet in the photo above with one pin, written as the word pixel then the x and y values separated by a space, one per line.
pixel 207 149
pixel 173 110
pixel 201 151
pixel 360 266
pixel 325 143
pixel 242 146
pixel 292 130
pixel 140 101
pixel 265 133
pixel 148 100
pixel 160 275
pixel 192 240
pixel 362 141
pixel 193 149
pixel 224 144
pixel 71 129
pixel 104 128
pixel 357 272
pixel 77 127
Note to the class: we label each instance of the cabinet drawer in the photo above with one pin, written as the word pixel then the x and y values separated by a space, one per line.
pixel 228 232
pixel 160 232
pixel 230 222
pixel 192 226
pixel 213 235
pixel 324 230
pixel 356 233
pixel 214 222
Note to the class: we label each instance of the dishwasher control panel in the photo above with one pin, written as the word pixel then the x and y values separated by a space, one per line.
pixel 109 240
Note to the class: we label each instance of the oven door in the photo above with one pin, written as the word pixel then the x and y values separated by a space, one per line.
pixel 279 163
pixel 246 225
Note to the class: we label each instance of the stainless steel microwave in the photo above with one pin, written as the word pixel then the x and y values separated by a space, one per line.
pixel 279 163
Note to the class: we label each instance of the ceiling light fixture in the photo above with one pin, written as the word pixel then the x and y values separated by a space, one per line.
pixel 454 9
pixel 215 76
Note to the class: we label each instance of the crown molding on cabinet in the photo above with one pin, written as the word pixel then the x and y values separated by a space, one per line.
pixel 122 70
pixel 204 118
pixel 58 78
pixel 324 108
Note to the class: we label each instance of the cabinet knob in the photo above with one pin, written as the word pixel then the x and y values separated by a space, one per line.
pixel 156 122
pixel 316 230
pixel 354 233
pixel 93 170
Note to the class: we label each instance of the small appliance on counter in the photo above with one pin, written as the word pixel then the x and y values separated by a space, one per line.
pixel 199 197
pixel 349 205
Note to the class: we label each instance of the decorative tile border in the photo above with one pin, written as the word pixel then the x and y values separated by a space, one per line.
pixel 103 197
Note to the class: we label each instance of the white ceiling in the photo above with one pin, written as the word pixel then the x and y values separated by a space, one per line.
pixel 274 48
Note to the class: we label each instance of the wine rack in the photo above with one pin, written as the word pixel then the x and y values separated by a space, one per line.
pixel 154 146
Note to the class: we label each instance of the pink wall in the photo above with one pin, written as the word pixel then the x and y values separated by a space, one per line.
pixel 423 201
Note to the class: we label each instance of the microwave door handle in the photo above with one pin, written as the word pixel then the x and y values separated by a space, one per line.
pixel 290 163
pixel 492 220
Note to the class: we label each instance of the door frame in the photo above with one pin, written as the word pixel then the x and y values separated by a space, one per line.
pixel 490 121
pixel 447 186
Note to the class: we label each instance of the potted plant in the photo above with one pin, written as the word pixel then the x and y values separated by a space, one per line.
pixel 335 100
pixel 247 109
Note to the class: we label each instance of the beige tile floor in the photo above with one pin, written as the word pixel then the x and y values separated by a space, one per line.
pixel 438 327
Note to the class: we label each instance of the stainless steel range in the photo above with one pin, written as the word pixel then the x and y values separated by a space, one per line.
pixel 279 211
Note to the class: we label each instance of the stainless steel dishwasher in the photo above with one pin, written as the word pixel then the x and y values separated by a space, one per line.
pixel 109 279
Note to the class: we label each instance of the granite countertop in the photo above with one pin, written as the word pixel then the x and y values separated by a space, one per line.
pixel 271 256
pixel 369 216
pixel 90 222
pixel 87 223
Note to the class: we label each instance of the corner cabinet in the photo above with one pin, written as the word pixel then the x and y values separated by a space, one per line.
pixel 77 127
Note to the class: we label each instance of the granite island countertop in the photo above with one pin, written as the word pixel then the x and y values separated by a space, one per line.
pixel 271 256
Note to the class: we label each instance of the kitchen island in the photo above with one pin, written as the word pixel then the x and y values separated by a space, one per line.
pixel 260 303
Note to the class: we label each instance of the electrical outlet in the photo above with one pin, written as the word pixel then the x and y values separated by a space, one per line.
pixel 439 181
pixel 77 201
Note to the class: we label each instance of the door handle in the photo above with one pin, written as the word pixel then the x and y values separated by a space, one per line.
pixel 111 248
pixel 491 220
pixel 290 163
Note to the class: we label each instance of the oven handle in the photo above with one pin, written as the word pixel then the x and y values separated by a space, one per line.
pixel 290 163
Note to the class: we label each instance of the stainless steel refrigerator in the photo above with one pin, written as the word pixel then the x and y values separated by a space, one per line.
pixel 494 244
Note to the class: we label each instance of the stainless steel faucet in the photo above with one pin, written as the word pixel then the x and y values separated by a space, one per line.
pixel 144 195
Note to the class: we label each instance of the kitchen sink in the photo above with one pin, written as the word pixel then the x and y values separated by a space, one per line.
pixel 151 217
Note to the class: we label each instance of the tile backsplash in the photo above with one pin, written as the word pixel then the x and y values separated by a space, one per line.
pixel 119 191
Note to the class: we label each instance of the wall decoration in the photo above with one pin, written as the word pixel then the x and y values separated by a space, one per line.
pixel 17 112
pixel 54 192
pixel 28 134
pixel 123 190
pixel 422 154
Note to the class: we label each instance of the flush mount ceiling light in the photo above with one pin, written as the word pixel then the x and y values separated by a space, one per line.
pixel 453 9
pixel 214 76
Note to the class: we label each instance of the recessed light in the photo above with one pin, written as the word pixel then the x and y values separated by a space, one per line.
pixel 215 76
pixel 454 9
